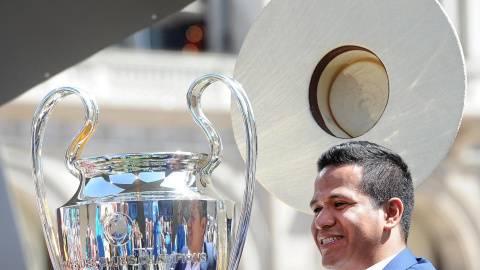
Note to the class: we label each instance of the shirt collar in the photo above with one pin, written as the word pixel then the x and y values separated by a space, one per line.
pixel 196 266
pixel 380 265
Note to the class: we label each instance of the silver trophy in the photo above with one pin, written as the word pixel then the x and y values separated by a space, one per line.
pixel 145 210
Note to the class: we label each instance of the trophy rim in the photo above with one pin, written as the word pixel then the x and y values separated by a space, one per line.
pixel 132 162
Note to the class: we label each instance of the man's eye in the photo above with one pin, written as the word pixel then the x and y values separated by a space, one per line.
pixel 317 210
pixel 338 204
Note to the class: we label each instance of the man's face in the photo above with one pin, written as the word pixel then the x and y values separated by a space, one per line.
pixel 196 229
pixel 347 227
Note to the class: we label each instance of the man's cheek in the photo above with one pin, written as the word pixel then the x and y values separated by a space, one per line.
pixel 313 230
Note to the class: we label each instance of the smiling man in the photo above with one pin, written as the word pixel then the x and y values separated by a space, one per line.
pixel 363 204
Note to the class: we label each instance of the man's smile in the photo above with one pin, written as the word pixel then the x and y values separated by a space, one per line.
pixel 330 239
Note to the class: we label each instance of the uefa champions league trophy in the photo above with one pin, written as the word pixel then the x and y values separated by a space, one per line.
pixel 145 210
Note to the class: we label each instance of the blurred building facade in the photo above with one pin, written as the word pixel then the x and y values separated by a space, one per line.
pixel 140 86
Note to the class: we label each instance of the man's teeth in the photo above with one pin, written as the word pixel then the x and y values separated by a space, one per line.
pixel 330 239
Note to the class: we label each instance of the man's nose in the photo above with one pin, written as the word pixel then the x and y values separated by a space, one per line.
pixel 324 219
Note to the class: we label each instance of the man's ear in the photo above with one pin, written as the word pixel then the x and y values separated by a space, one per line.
pixel 393 212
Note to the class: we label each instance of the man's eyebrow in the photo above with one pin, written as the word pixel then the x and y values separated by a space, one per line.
pixel 338 196
pixel 334 196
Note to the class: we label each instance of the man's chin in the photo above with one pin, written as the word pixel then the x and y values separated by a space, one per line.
pixel 331 262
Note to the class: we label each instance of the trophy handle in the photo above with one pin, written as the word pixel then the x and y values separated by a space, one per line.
pixel 194 100
pixel 72 153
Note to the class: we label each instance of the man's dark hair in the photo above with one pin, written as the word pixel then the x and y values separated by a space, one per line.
pixel 385 175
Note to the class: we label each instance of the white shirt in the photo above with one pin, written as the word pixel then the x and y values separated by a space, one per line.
pixel 380 265
pixel 196 266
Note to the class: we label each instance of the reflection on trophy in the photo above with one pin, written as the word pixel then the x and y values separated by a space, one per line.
pixel 123 212
pixel 200 253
